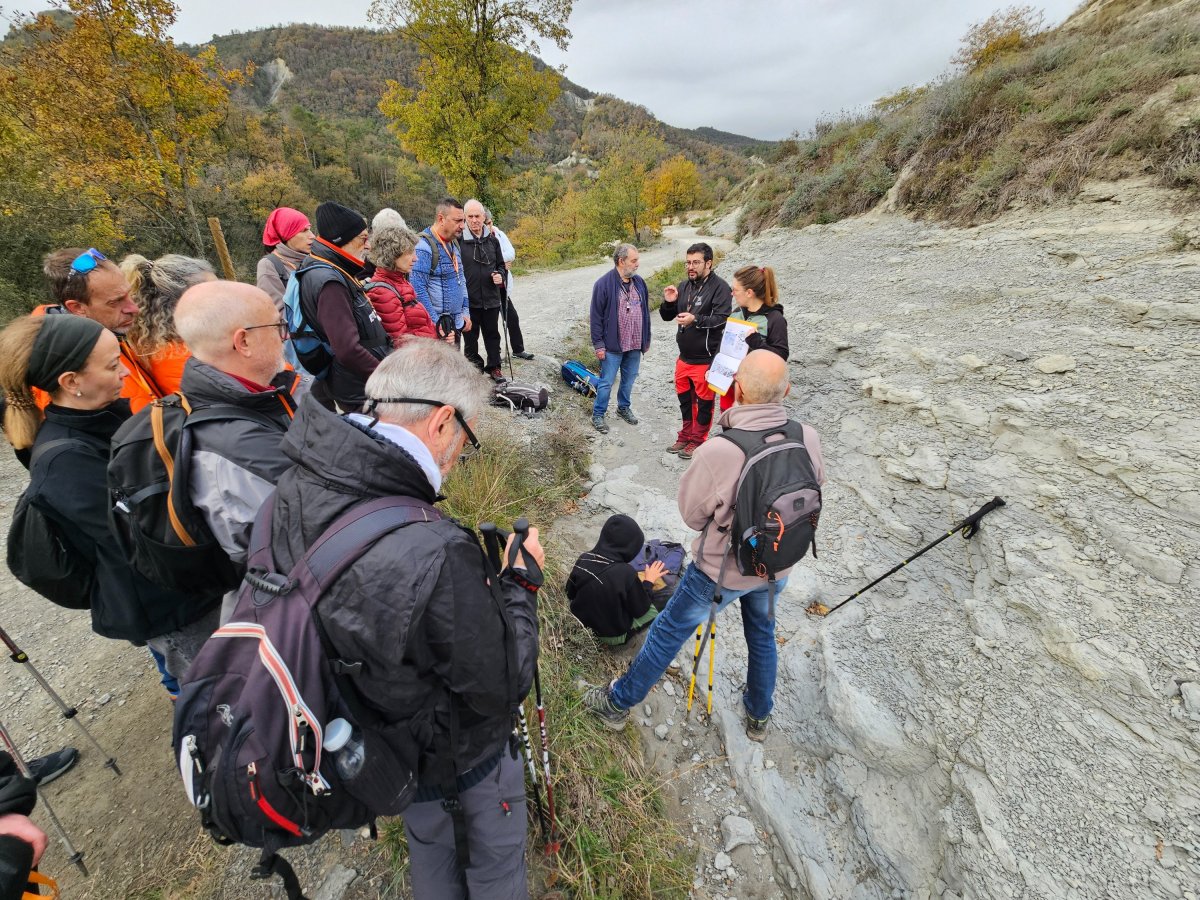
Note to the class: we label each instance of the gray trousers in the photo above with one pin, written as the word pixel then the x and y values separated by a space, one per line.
pixel 180 647
pixel 496 839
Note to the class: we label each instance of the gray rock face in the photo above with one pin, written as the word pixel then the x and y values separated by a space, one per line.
pixel 1017 715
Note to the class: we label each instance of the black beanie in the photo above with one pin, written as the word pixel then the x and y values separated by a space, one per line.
pixel 339 224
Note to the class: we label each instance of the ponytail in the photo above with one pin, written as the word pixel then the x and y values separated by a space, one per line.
pixel 22 418
pixel 760 281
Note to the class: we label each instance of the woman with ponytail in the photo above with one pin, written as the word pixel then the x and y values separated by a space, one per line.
pixel 156 287
pixel 755 293
pixel 77 362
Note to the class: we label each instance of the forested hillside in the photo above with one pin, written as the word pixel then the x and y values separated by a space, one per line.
pixel 290 116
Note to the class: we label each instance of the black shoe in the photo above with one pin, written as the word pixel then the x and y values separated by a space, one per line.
pixel 597 699
pixel 46 768
pixel 599 424
pixel 523 355
pixel 627 415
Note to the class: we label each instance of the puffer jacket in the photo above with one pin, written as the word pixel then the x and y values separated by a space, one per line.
pixel 426 579
pixel 395 299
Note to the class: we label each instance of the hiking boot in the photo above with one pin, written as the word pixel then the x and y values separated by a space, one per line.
pixel 597 699
pixel 627 415
pixel 521 354
pixel 677 446
pixel 496 374
pixel 756 729
pixel 686 452
pixel 599 424
pixel 46 768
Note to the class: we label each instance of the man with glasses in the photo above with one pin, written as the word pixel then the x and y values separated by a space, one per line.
pixel 699 306
pixel 483 264
pixel 509 316
pixel 235 335
pixel 416 615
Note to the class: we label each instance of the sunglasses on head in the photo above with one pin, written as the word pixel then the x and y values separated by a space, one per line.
pixel 375 401
pixel 87 261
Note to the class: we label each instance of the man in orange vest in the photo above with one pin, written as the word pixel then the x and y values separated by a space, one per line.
pixel 87 283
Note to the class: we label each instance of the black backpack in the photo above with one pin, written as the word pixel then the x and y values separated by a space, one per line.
pixel 252 712
pixel 777 504
pixel 38 555
pixel 164 537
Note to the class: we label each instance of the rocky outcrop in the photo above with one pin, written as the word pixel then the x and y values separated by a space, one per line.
pixel 1017 716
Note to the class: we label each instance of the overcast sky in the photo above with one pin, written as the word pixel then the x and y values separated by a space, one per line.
pixel 757 67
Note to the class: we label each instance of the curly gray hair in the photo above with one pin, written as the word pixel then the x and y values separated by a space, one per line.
pixel 390 243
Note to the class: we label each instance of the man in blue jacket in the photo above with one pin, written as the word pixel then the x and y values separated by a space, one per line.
pixel 620 333
pixel 437 275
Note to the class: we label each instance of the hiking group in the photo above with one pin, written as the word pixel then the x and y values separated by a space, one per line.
pixel 245 481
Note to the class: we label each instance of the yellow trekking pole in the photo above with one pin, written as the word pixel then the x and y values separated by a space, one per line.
pixel 712 644
pixel 695 665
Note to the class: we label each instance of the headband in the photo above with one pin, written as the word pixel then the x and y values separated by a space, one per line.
pixel 63 344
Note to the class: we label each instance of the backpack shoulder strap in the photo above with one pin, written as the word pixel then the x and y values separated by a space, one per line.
pixel 43 449
pixel 355 531
pixel 433 250
pixel 220 412
pixel 281 269
pixel 367 285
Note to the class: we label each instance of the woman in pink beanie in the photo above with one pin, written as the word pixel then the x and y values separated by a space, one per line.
pixel 288 235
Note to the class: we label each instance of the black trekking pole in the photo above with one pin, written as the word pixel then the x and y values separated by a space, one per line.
pixel 73 855
pixel 504 330
pixel 17 655
pixel 521 530
pixel 967 526
pixel 492 546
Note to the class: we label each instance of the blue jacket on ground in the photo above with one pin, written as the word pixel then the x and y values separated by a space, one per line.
pixel 445 291
pixel 606 331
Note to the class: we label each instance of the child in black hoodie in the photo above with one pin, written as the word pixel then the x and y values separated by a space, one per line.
pixel 607 594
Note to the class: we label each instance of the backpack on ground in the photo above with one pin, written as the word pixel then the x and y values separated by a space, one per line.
pixel 777 504
pixel 313 351
pixel 263 696
pixel 38 555
pixel 162 534
pixel 520 397
pixel 580 377
pixel 671 555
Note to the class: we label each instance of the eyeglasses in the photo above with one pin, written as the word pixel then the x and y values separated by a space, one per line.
pixel 87 261
pixel 487 257
pixel 282 325
pixel 372 403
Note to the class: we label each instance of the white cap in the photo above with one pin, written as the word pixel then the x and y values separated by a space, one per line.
pixel 337 733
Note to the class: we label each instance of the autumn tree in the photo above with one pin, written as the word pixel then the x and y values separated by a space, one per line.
pixel 479 96
pixel 674 186
pixel 616 206
pixel 117 111
pixel 1000 33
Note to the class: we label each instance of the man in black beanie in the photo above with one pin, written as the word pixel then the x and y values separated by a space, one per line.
pixel 335 307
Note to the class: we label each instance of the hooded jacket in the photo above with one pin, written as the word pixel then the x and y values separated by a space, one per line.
pixel 604 589
pixel 69 483
pixel 710 301
pixel 236 462
pixel 772 329
pixel 481 256
pixel 708 488
pixel 426 579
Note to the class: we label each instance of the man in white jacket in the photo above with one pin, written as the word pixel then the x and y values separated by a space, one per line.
pixel 509 312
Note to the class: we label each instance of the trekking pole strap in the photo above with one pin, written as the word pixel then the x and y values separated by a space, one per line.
pixel 274 864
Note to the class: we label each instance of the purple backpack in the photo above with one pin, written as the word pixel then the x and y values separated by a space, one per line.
pixel 251 716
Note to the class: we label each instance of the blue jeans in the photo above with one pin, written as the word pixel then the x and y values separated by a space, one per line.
pixel 684 612
pixel 628 363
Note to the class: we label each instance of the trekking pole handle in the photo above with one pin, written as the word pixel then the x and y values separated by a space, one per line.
pixel 491 543
pixel 521 530
pixel 970 524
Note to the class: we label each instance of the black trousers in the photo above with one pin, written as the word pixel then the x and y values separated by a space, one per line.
pixel 515 339
pixel 485 322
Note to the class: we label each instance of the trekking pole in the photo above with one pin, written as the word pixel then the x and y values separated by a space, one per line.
pixel 521 530
pixel 504 330
pixel 967 526
pixel 695 664
pixel 17 655
pixel 707 629
pixel 491 543
pixel 712 649
pixel 73 855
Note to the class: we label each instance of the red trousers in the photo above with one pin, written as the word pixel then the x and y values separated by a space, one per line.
pixel 695 401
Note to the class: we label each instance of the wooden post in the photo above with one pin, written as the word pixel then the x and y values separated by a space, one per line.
pixel 218 236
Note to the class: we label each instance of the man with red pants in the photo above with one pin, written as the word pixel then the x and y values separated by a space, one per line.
pixel 699 306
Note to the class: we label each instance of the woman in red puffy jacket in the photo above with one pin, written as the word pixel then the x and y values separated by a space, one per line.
pixel 393 250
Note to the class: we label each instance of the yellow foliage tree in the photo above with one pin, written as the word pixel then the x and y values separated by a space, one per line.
pixel 674 186
pixel 1000 33
pixel 479 97
pixel 117 108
